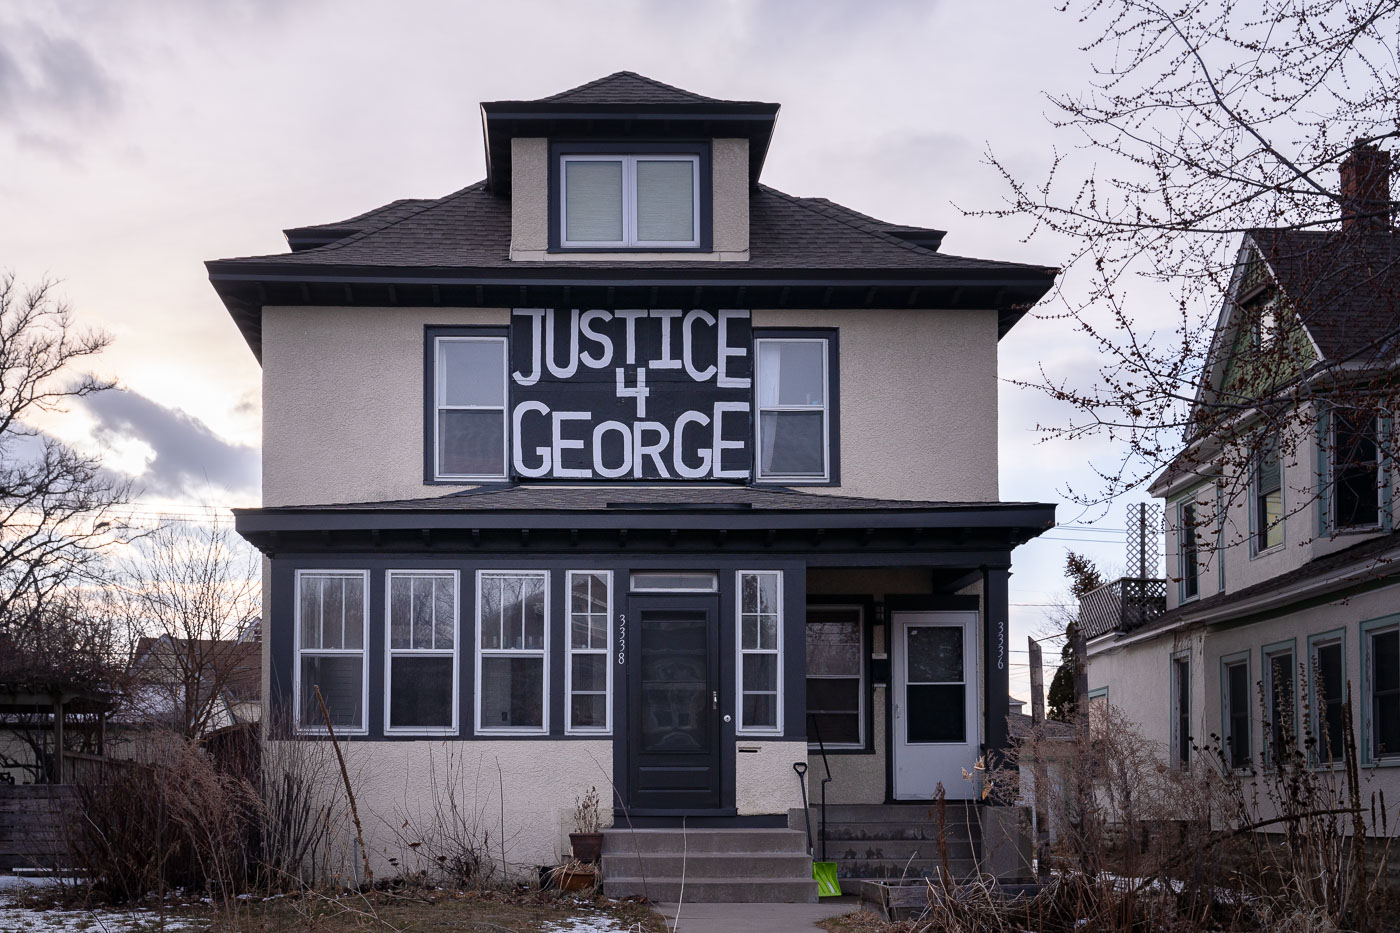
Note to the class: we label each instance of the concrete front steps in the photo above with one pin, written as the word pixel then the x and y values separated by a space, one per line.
pixel 716 866
pixel 892 841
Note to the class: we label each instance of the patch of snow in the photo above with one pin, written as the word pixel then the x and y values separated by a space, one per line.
pixel 22 920
pixel 587 921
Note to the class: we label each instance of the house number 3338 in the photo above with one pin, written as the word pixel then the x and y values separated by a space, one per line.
pixel 622 638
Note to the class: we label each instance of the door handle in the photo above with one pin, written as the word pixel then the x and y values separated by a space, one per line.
pixel 714 699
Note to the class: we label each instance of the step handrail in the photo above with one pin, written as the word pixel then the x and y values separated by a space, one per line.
pixel 826 765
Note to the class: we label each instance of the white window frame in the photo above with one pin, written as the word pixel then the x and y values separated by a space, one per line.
pixel 541 653
pixel 390 652
pixel 742 728
pixel 629 201
pixel 824 408
pixel 712 588
pixel 1258 531
pixel 362 652
pixel 860 666
pixel 570 651
pixel 439 406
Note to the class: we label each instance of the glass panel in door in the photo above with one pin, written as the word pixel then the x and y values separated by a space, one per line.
pixel 935 687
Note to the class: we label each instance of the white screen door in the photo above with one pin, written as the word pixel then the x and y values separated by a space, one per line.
pixel 935 703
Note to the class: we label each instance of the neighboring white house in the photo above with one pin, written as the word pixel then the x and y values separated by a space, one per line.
pixel 620 468
pixel 1285 574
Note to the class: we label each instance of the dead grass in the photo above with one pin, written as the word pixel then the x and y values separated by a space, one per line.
pixel 865 921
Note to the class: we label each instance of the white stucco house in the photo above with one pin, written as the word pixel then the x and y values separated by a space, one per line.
pixel 620 468
pixel 1282 593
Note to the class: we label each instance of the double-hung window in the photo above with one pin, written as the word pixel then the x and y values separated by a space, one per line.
pixel 793 421
pixel 468 417
pixel 760 613
pixel 1279 675
pixel 1181 711
pixel 1234 703
pixel 1328 682
pixel 1189 570
pixel 835 676
pixel 1268 495
pixel 615 201
pixel 512 607
pixel 1355 458
pixel 1383 684
pixel 589 671
pixel 332 616
pixel 420 682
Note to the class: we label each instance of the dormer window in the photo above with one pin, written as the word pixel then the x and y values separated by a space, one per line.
pixel 643 198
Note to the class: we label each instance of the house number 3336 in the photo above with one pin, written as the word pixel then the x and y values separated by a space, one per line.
pixel 622 638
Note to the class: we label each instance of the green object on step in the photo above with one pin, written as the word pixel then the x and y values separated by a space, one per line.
pixel 825 874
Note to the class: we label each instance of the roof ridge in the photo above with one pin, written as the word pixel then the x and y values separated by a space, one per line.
pixel 428 204
pixel 878 234
pixel 372 212
pixel 629 74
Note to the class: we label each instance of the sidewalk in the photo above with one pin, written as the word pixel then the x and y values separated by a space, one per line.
pixel 756 918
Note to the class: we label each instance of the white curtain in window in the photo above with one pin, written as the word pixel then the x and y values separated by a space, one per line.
pixel 593 201
pixel 665 200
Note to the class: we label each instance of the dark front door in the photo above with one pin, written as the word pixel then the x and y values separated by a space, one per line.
pixel 673 732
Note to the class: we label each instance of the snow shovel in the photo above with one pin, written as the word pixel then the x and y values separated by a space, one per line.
pixel 824 873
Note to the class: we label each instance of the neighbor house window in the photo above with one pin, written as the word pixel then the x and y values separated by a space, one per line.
pixel 513 641
pixel 1383 684
pixel 1234 697
pixel 1328 683
pixel 589 673
pixel 760 612
pixel 836 676
pixel 331 620
pixel 611 201
pixel 1181 711
pixel 1268 495
pixel 420 681
pixel 1189 570
pixel 469 408
pixel 1355 470
pixel 1279 675
pixel 793 422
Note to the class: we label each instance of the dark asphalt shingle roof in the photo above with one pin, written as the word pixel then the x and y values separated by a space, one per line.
pixel 605 498
pixel 471 228
pixel 1345 285
pixel 628 87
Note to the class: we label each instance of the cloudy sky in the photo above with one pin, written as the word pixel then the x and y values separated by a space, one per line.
pixel 138 139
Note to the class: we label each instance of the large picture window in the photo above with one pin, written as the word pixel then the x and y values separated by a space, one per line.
pixel 589 673
pixel 760 614
pixel 512 610
pixel 836 676
pixel 469 408
pixel 1268 495
pixel 420 680
pixel 619 201
pixel 331 619
pixel 793 416
pixel 1355 470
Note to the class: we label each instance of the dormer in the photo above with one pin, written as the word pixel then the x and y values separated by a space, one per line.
pixel 627 169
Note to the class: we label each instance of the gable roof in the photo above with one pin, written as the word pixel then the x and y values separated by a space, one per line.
pixel 1344 285
pixel 628 87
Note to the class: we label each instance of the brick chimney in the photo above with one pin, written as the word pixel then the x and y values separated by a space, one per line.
pixel 1366 203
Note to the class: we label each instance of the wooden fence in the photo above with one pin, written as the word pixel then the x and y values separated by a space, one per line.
pixel 33 819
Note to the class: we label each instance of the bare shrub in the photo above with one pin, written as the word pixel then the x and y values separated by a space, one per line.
pixel 450 838
pixel 301 811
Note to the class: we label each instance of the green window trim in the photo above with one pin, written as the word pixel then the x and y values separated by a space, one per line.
pixel 1179 675
pixel 1237 758
pixel 1267 654
pixel 1368 631
pixel 1338 637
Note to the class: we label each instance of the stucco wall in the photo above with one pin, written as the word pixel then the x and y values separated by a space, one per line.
pixel 343 401
pixel 918 400
pixel 729 182
pixel 764 781
pixel 396 782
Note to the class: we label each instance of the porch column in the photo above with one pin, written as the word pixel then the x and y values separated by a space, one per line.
pixel 996 671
